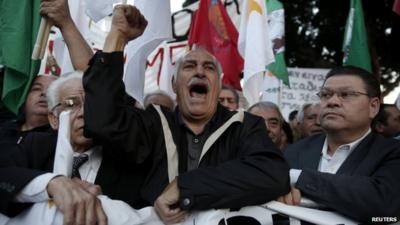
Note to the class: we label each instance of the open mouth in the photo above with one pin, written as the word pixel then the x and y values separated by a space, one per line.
pixel 198 89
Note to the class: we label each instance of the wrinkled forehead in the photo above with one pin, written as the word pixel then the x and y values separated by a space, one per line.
pixel 227 93
pixel 199 55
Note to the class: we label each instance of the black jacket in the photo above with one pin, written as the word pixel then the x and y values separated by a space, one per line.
pixel 366 185
pixel 243 167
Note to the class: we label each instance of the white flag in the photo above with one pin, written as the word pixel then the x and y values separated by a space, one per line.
pixel 97 10
pixel 81 20
pixel 255 47
pixel 159 28
pixel 165 81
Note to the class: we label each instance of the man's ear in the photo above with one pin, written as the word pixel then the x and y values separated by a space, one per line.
pixel 53 120
pixel 374 107
pixel 379 127
pixel 173 82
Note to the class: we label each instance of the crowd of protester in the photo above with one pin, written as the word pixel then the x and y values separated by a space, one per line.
pixel 200 151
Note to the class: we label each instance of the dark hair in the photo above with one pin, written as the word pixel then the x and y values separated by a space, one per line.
pixel 235 94
pixel 371 83
pixel 293 114
pixel 288 131
pixel 382 116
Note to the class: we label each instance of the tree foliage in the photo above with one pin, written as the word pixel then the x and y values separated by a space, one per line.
pixel 315 29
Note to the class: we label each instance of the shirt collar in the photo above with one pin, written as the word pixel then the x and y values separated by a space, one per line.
pixel 346 147
pixel 94 154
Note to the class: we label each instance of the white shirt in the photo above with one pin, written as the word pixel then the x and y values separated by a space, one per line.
pixel 89 169
pixel 36 189
pixel 331 164
pixel 328 163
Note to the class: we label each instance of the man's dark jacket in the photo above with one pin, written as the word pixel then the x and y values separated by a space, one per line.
pixel 366 185
pixel 243 167
pixel 118 179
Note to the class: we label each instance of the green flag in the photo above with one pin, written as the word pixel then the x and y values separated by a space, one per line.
pixel 355 44
pixel 19 22
pixel 277 31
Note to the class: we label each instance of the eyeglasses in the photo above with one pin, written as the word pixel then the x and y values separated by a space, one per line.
pixel 343 95
pixel 72 104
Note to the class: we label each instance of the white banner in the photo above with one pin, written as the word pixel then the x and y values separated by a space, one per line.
pixel 304 85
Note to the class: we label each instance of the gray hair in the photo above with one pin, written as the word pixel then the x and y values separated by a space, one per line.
pixel 158 92
pixel 267 105
pixel 300 114
pixel 178 63
pixel 53 92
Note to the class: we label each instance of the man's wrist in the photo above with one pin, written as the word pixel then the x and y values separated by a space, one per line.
pixel 51 184
pixel 67 26
pixel 115 41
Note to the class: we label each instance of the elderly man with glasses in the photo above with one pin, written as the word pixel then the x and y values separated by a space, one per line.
pixel 348 169
pixel 26 175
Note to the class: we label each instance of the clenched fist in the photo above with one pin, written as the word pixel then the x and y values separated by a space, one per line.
pixel 127 24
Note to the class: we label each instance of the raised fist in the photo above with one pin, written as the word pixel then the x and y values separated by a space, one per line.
pixel 128 22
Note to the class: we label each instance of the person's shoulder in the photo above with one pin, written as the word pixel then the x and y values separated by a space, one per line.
pixel 303 144
pixel 40 137
pixel 251 118
pixel 383 143
pixel 9 125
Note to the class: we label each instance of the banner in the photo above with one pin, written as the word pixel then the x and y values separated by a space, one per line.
pixel 304 85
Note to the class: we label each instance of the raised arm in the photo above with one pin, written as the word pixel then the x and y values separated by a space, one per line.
pixel 57 12
pixel 109 117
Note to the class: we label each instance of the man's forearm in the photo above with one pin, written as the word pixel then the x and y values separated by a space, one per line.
pixel 114 42
pixel 80 52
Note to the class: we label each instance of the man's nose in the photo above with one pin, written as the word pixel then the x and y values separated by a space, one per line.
pixel 200 71
pixel 80 111
pixel 334 100
pixel 317 121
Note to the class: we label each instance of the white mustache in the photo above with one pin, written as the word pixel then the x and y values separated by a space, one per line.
pixel 196 80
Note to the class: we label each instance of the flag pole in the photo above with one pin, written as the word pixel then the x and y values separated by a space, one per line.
pixel 41 39
pixel 45 39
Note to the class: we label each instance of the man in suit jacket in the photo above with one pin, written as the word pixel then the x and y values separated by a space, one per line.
pixel 28 170
pixel 350 169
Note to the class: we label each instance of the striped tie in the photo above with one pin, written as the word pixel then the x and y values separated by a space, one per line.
pixel 78 162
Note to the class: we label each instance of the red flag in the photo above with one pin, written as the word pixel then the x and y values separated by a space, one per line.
pixel 213 29
pixel 396 7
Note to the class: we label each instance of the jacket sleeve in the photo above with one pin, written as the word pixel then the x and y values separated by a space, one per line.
pixel 359 197
pixel 110 118
pixel 256 175
pixel 17 169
